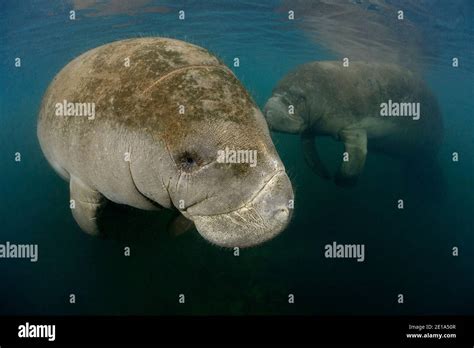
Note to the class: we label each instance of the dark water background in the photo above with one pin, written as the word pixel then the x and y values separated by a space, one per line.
pixel 407 251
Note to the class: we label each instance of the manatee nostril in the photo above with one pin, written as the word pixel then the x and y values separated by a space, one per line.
pixel 282 215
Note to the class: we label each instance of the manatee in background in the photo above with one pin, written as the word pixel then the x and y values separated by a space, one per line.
pixel 155 114
pixel 328 99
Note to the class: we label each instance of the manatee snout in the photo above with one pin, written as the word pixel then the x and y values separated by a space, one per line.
pixel 263 217
pixel 274 200
pixel 279 118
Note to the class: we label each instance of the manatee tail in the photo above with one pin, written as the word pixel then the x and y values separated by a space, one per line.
pixel 425 176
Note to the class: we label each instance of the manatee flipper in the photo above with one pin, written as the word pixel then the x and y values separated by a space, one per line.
pixel 180 225
pixel 86 205
pixel 355 143
pixel 311 156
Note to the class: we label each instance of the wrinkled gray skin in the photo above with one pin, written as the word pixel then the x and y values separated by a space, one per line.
pixel 344 103
pixel 173 157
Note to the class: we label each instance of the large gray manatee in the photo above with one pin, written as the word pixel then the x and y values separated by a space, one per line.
pixel 145 122
pixel 357 105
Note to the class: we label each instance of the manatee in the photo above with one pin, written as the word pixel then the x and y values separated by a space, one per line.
pixel 141 122
pixel 347 103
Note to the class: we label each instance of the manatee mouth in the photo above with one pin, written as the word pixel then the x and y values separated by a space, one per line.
pixel 263 217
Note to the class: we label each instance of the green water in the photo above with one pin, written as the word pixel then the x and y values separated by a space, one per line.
pixel 408 251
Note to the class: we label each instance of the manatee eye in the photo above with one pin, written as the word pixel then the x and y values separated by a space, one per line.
pixel 188 161
pixel 300 98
